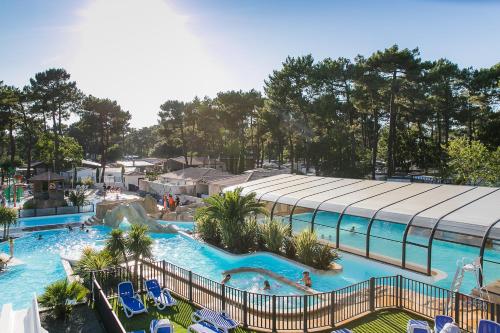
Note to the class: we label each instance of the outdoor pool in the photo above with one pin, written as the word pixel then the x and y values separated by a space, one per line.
pixel 41 263
pixel 59 219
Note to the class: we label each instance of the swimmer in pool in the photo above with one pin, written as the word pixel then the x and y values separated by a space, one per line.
pixel 226 279
pixel 267 285
pixel 306 278
pixel 39 237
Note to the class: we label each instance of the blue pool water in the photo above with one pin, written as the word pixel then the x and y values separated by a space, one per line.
pixel 41 263
pixel 386 240
pixel 189 226
pixel 60 219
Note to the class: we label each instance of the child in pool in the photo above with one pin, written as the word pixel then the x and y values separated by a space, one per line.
pixel 306 278
pixel 267 285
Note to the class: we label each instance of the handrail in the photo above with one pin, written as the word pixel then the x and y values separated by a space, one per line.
pixel 481 250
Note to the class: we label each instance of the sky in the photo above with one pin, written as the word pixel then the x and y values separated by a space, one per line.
pixel 144 52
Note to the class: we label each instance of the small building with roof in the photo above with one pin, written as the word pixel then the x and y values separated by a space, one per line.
pixel 178 163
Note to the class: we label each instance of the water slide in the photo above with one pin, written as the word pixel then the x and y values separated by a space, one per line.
pixel 135 213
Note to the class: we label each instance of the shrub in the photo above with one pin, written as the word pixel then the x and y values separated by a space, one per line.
pixel 29 204
pixel 250 235
pixel 58 295
pixel 232 211
pixel 289 247
pixel 323 256
pixel 207 228
pixel 274 233
pixel 93 260
pixel 88 181
pixel 305 243
pixel 78 197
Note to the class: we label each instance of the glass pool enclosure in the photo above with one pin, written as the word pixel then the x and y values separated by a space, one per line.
pixel 419 227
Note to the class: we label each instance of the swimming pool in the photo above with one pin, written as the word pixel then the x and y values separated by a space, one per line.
pixel 59 219
pixel 42 265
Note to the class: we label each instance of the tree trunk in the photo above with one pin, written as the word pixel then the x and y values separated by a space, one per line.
pixel 55 164
pixel 392 129
pixel 374 142
pixel 12 142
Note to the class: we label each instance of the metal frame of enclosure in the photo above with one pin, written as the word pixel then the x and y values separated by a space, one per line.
pixel 418 214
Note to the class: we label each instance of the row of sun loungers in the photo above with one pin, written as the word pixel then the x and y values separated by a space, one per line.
pixel 209 321
pixel 205 320
pixel 442 324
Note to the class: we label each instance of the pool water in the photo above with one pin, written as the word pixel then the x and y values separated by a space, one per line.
pixel 444 254
pixel 186 226
pixel 60 219
pixel 42 265
pixel 254 282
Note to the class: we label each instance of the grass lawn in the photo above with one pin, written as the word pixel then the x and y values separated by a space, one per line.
pixel 384 321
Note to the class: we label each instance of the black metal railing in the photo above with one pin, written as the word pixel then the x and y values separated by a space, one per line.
pixel 34 212
pixel 310 311
pixel 105 310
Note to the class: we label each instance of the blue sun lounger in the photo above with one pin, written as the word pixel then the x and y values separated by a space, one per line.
pixel 161 326
pixel 219 319
pixel 488 326
pixel 342 330
pixel 440 321
pixel 130 301
pixel 205 327
pixel 161 297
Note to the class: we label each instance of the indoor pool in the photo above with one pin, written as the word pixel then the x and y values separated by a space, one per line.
pixel 41 263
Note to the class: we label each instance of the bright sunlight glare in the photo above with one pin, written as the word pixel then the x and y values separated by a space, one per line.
pixel 141 53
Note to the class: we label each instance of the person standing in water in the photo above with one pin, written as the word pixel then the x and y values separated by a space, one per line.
pixel 306 278
pixel 226 279
pixel 267 285
pixel 11 246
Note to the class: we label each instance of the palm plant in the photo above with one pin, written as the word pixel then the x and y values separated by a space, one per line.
pixel 77 197
pixel 139 244
pixel 8 217
pixel 93 260
pixel 58 295
pixel 231 211
pixel 117 246
pixel 305 244
pixel 274 233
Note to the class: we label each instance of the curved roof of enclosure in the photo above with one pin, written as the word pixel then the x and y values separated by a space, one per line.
pixel 465 209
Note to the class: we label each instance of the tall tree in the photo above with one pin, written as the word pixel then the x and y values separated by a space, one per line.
pixel 56 97
pixel 108 120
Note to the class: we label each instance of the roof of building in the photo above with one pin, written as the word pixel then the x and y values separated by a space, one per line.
pixel 466 209
pixel 196 160
pixel 47 177
pixel 134 163
pixel 195 174
pixel 134 173
pixel 91 163
pixel 119 170
pixel 78 169
pixel 154 160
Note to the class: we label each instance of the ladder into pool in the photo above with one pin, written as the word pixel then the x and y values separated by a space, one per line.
pixel 466 265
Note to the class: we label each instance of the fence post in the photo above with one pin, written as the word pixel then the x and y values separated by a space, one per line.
pixel 274 314
pixel 55 210
pixel 372 294
pixel 164 280
pixel 35 211
pixel 223 297
pixel 457 308
pixel 140 281
pixel 245 308
pixel 332 309
pixel 190 287
pixel 78 208
pixel 400 291
pixel 305 314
